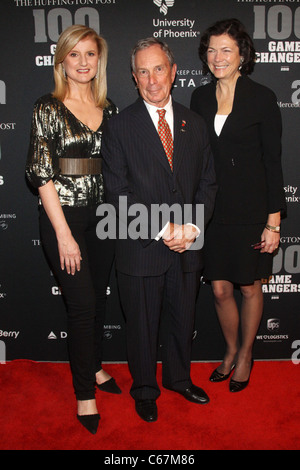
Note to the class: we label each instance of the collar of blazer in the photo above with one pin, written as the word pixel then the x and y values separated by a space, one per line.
pixel 242 99
pixel 146 129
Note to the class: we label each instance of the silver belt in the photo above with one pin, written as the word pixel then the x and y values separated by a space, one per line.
pixel 80 166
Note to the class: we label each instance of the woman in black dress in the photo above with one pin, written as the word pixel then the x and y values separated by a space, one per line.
pixel 64 164
pixel 244 123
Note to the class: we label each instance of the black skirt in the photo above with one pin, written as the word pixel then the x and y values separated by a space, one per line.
pixel 229 256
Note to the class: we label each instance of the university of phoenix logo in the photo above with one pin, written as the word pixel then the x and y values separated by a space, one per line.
pixel 164 5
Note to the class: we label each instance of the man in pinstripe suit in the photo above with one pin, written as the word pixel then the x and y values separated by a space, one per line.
pixel 160 268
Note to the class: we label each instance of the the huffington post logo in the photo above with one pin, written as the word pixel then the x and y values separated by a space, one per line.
pixel 2 92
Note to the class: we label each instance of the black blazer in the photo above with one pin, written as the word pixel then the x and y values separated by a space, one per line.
pixel 135 166
pixel 247 153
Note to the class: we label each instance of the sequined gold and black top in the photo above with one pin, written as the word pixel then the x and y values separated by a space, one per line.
pixel 56 133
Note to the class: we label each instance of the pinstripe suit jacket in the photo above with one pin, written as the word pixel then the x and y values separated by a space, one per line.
pixel 135 166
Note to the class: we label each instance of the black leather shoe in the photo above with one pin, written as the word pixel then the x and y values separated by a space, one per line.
pixel 90 422
pixel 194 394
pixel 109 386
pixel 146 409
pixel 216 376
pixel 235 386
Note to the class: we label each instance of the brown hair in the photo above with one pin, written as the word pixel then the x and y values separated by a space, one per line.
pixel 236 30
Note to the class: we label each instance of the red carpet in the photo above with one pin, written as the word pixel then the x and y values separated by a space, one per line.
pixel 38 412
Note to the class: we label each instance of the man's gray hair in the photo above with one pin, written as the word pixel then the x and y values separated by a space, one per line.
pixel 145 43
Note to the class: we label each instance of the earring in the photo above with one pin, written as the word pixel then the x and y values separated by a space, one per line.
pixel 241 62
pixel 97 74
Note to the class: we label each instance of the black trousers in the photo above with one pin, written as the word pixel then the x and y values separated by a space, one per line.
pixel 84 293
pixel 144 299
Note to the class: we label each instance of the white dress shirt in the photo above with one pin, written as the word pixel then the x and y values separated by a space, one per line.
pixel 220 120
pixel 168 116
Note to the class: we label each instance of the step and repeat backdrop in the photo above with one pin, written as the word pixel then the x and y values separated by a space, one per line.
pixel 32 312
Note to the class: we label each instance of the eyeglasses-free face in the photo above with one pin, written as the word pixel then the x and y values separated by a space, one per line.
pixel 223 57
pixel 81 63
pixel 154 75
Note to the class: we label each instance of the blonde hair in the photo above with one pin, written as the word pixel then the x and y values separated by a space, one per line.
pixel 66 42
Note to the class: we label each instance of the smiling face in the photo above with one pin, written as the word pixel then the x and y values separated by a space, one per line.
pixel 81 63
pixel 154 75
pixel 223 57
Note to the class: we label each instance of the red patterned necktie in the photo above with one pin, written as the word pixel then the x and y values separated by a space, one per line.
pixel 165 136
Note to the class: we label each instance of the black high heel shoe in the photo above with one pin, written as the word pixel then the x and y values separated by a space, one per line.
pixel 235 386
pixel 216 376
pixel 90 422
pixel 109 386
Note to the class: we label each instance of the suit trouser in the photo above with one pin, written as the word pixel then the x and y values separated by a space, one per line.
pixel 143 300
pixel 84 293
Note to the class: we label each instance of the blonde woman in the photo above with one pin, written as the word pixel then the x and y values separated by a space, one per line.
pixel 64 164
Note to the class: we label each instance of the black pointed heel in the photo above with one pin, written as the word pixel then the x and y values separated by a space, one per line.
pixel 90 422
pixel 109 386
pixel 235 386
pixel 216 376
